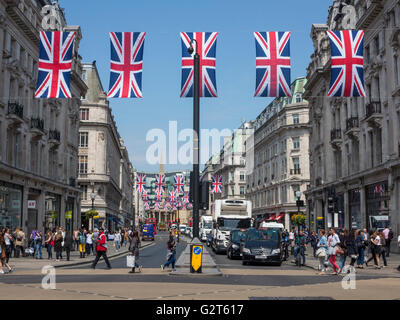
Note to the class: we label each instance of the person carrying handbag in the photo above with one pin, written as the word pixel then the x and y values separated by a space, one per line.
pixel 134 243
pixel 322 251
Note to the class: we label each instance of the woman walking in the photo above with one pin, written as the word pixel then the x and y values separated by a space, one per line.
pixel 82 243
pixel 360 243
pixel 117 240
pixel 383 249
pixel 89 242
pixel 351 247
pixel 171 252
pixel 375 250
pixel 322 251
pixel 8 242
pixel 3 248
pixel 49 242
pixel 333 242
pixel 134 243
pixel 58 245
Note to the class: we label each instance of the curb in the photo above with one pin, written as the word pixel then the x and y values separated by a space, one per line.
pixel 119 254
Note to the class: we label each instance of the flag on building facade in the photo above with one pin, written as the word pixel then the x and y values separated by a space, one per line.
pixel 55 62
pixel 272 64
pixel 140 183
pixel 207 47
pixel 347 69
pixel 126 64
pixel 160 183
pixel 179 183
pixel 216 184
pixel 380 188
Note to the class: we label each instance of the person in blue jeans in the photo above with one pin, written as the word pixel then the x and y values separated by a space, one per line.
pixel 172 252
pixel 300 248
pixel 38 243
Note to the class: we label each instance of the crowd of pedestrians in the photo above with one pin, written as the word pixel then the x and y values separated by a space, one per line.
pixel 332 249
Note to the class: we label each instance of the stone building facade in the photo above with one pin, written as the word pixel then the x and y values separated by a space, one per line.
pixel 38 137
pixel 281 159
pixel 105 171
pixel 355 142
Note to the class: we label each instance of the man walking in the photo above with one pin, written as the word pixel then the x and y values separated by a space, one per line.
pixel 101 249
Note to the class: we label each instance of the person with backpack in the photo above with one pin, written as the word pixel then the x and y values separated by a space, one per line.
pixel 101 250
pixel 171 245
pixel 82 243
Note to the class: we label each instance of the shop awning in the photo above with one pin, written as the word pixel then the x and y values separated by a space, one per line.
pixel 271 217
pixel 279 217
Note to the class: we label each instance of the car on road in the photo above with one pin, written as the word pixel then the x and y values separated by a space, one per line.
pixel 182 228
pixel 262 246
pixel 235 238
pixel 188 230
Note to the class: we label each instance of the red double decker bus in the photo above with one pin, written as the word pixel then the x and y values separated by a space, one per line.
pixel 152 221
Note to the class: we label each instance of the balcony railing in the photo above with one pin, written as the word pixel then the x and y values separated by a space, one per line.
pixel 336 134
pixel 54 135
pixel 373 108
pixel 15 108
pixel 295 171
pixel 352 123
pixel 37 123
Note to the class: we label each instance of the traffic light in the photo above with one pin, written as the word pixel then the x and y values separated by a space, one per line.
pixel 331 204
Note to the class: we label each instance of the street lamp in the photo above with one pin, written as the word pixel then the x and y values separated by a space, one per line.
pixel 298 195
pixel 196 136
pixel 92 196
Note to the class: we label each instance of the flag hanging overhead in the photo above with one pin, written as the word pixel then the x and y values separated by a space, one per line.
pixel 186 197
pixel 140 183
pixel 216 184
pixel 347 70
pixel 172 196
pixel 126 64
pixel 144 195
pixel 54 67
pixel 272 64
pixel 160 182
pixel 179 182
pixel 206 43
pixel 158 196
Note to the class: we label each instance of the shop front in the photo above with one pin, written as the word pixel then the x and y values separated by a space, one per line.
pixel 378 206
pixel 10 205
pixel 52 211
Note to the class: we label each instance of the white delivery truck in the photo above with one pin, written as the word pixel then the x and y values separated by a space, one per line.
pixel 228 215
pixel 205 227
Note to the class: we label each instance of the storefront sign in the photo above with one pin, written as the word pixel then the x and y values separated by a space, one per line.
pixel 16 204
pixel 68 215
pixel 31 204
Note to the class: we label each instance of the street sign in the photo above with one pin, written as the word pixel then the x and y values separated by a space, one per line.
pixel 31 204
pixel 196 255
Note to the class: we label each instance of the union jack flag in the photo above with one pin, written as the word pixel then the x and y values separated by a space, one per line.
pixel 183 206
pixel 54 67
pixel 272 64
pixel 174 207
pixel 144 195
pixel 160 182
pixel 380 188
pixel 347 71
pixel 216 184
pixel 156 206
pixel 158 196
pixel 179 183
pixel 126 64
pixel 186 197
pixel 146 205
pixel 172 196
pixel 207 47
pixel 140 183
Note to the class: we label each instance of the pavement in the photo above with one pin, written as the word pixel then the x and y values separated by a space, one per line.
pixel 240 282
pixel 31 263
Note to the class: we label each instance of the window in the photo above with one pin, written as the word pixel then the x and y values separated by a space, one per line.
pixel 298 97
pixel 296 118
pixel 84 113
pixel 296 143
pixel 83 164
pixel 83 139
pixel 295 189
pixel 367 54
pixel 377 44
pixel 84 192
pixel 242 190
pixel 233 191
pixel 296 163
pixel 242 176
pixel 84 78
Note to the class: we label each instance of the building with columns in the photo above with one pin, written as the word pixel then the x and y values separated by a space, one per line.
pixel 38 137
pixel 355 142
pixel 281 159
pixel 106 175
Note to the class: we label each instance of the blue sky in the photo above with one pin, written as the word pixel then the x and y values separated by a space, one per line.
pixel 162 21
